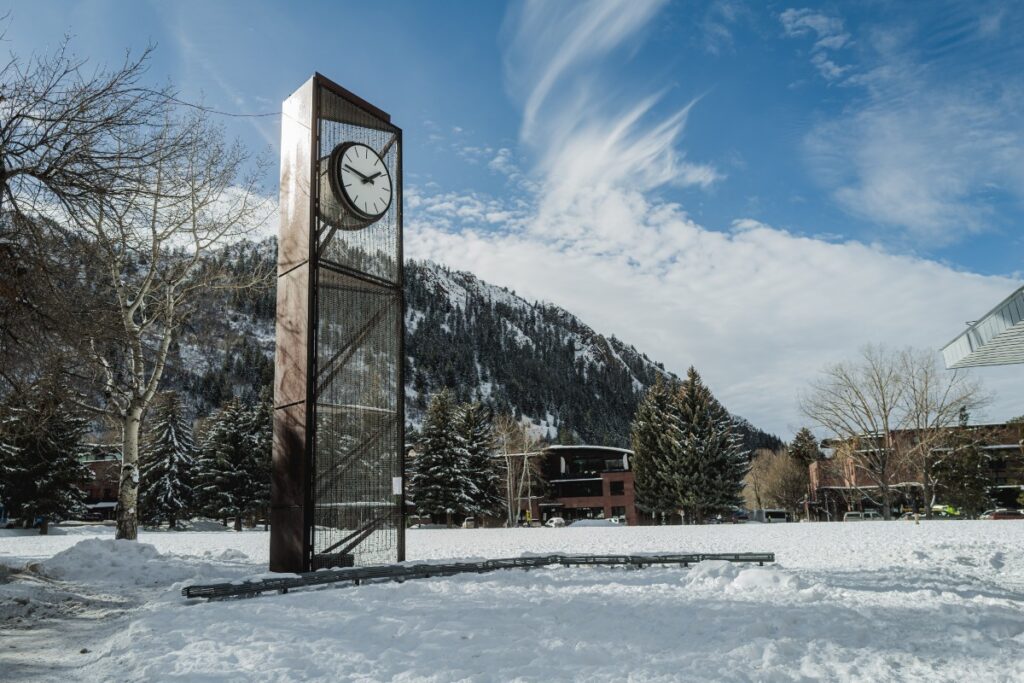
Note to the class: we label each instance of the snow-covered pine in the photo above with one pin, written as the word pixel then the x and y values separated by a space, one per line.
pixel 167 463
pixel 233 462
pixel 476 426
pixel 41 470
pixel 656 439
pixel 707 474
pixel 440 484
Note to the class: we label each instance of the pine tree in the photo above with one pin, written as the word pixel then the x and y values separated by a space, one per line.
pixel 167 463
pixel 440 483
pixel 233 473
pixel 963 474
pixel 476 427
pixel 708 472
pixel 41 452
pixel 261 417
pixel 805 447
pixel 656 440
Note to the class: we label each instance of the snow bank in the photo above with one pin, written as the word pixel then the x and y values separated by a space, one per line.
pixel 880 601
pixel 593 523
pixel 122 563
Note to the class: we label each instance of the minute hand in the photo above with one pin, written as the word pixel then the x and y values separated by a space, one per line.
pixel 356 172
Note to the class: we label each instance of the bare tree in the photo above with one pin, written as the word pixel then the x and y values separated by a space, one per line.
pixel 860 402
pixel 155 245
pixel 889 408
pixel 787 482
pixel 69 135
pixel 71 139
pixel 517 448
pixel 775 479
pixel 934 401
pixel 755 483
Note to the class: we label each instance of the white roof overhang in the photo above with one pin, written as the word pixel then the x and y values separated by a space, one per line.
pixel 995 339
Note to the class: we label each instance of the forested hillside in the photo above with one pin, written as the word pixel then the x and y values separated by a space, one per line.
pixel 535 360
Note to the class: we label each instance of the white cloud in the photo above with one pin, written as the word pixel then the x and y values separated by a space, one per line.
pixel 592 136
pixel 717 25
pixel 829 34
pixel 921 152
pixel 756 308
pixel 550 42
pixel 828 30
pixel 991 23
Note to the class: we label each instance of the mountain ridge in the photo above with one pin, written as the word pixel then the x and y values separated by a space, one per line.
pixel 535 360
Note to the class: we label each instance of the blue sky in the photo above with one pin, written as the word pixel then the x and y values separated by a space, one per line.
pixel 754 188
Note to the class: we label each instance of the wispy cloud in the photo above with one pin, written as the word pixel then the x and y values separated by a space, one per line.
pixel 592 139
pixel 717 25
pixel 828 32
pixel 549 43
pixel 921 147
pixel 191 55
pixel 758 309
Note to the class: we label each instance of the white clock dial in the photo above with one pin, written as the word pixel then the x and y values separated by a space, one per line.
pixel 365 181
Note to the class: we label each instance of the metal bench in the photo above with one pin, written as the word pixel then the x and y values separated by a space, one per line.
pixel 403 572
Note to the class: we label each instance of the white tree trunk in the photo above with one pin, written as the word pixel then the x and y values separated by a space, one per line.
pixel 128 496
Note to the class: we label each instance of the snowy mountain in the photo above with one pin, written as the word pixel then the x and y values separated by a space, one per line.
pixel 536 360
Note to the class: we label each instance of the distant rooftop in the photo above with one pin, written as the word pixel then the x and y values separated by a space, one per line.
pixel 997 338
pixel 583 447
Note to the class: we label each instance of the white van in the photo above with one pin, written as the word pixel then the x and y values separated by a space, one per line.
pixel 770 516
pixel 866 516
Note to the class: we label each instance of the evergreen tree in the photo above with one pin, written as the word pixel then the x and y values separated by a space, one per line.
pixel 261 418
pixel 656 439
pixel 708 474
pixel 167 461
pixel 963 474
pixel 41 452
pixel 233 473
pixel 440 484
pixel 805 447
pixel 476 427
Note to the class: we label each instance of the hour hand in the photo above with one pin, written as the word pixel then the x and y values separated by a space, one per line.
pixel 356 172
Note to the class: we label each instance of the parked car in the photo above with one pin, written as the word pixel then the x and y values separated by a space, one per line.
pixel 738 516
pixel 1002 513
pixel 866 516
pixel 555 522
pixel 771 516
pixel 945 511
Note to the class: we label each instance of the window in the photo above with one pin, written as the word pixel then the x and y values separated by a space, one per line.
pixel 617 488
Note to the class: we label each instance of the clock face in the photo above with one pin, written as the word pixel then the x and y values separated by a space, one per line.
pixel 364 180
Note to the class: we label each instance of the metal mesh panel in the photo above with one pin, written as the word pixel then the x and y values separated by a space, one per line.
pixel 370 249
pixel 358 345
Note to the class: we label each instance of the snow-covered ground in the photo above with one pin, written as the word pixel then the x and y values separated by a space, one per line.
pixel 939 601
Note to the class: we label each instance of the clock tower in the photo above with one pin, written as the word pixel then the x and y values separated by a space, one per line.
pixel 337 487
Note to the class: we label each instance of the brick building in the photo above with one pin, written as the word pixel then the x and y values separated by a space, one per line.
pixel 586 482
pixel 837 485
pixel 101 492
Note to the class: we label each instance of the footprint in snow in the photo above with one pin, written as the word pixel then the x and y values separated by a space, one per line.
pixel 997 560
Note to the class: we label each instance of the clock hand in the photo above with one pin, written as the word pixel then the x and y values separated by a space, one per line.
pixel 356 172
